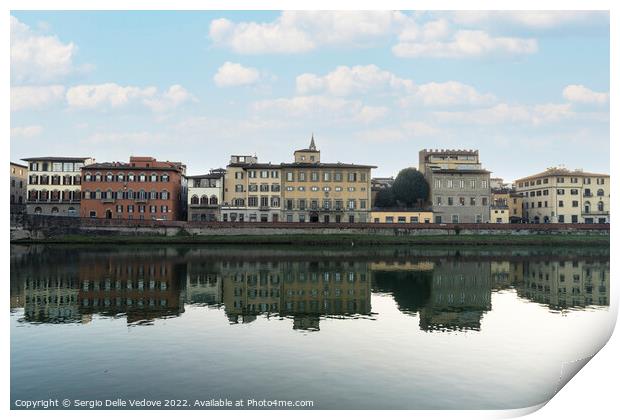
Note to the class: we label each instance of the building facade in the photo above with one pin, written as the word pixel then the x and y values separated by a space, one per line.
pixel 460 189
pixel 19 182
pixel 499 214
pixel 143 189
pixel 205 195
pixel 559 195
pixel 401 216
pixel 314 191
pixel 54 185
pixel 252 191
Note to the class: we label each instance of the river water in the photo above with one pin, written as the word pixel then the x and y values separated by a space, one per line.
pixel 341 328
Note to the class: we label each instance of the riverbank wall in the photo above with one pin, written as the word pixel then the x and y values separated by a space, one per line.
pixel 30 228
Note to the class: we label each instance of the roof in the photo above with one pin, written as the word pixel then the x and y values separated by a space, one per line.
pixel 206 176
pixel 254 165
pixel 460 171
pixel 57 159
pixel 19 164
pixel 325 165
pixel 130 166
pixel 561 172
pixel 307 150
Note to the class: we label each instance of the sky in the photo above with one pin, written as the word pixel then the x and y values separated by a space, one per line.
pixel 529 90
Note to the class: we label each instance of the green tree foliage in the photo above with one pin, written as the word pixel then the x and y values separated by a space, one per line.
pixel 410 189
pixel 385 198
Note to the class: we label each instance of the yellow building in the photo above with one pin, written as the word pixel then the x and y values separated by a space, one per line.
pixel 401 216
pixel 499 214
pixel 515 206
pixel 251 191
pixel 559 195
pixel 314 191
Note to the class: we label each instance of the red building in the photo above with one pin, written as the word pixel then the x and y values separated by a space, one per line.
pixel 143 189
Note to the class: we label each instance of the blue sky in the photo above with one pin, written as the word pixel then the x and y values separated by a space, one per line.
pixel 528 89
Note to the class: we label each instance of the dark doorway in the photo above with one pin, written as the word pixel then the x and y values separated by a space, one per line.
pixel 108 214
pixel 314 217
pixel 326 218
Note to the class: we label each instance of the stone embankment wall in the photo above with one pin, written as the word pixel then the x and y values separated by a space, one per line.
pixel 28 227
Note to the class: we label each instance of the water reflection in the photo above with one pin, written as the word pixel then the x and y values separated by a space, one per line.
pixel 448 290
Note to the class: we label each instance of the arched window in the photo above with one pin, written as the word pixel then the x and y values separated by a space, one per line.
pixel 66 195
pixel 213 200
pixel 142 195
pixel 153 177
pixel 120 195
pixel 44 195
pixel 153 195
pixel 98 177
pixel 164 195
pixel 54 210
pixel 37 210
pixel 586 207
pixel 165 178
pixel 194 199
pixel 204 200
pixel 86 195
pixel 600 193
pixel 88 176
pixel 109 177
pixel 142 177
pixel 130 195
pixel 131 177
pixel 601 206
pixel 110 194
pixel 120 177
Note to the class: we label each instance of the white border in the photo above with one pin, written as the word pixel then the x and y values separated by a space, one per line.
pixel 590 394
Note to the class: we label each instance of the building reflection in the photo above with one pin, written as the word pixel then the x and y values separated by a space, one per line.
pixel 446 291
pixel 566 284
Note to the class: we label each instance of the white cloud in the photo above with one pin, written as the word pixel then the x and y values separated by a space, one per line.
pixel 465 43
pixel 581 94
pixel 26 131
pixel 529 19
pixel 32 97
pixel 449 93
pixel 38 57
pixel 344 81
pixel 321 107
pixel 175 96
pixel 506 114
pixel 106 94
pixel 302 31
pixel 406 130
pixel 113 95
pixel 234 74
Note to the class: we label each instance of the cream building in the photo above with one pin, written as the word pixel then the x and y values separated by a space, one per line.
pixel 205 194
pixel 252 191
pixel 400 216
pixel 499 214
pixel 54 185
pixel 315 191
pixel 559 195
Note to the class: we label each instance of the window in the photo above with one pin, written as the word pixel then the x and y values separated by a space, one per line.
pixel 560 203
pixel 449 183
pixel 327 176
pixel 472 201
pixel 153 178
pixel 362 204
pixel 67 167
pixel 131 177
pixel 264 174
pixel 239 188
pixel 402 219
pixel 438 200
pixel 164 195
pixel 153 209
pixel 129 208
pixel 142 178
pixel 57 167
pixel 575 203
pixel 461 201
pixel 253 188
pixel 450 201
pixel 352 176
pixel 351 204
pixel 389 219
pixel 302 176
pixel 455 218
pixel 485 201
pixel 414 219
pixel 484 183
pixel 601 206
pixel 302 204
pixel 574 218
pixel 314 176
pixel 561 218
pixel 338 176
pixel 478 218
pixel 438 183
pixel 600 193
pixel 164 209
pixel 252 201
pixel 165 178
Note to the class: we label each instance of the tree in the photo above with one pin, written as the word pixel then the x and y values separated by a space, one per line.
pixel 410 188
pixel 385 198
